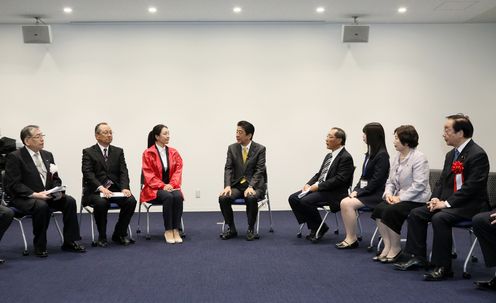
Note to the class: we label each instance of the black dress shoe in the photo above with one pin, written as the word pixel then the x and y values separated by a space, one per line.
pixel 122 240
pixel 346 245
pixel 2 261
pixel 229 233
pixel 317 237
pixel 486 285
pixel 412 263
pixel 250 235
pixel 73 247
pixel 102 243
pixel 438 274
pixel 311 235
pixel 41 253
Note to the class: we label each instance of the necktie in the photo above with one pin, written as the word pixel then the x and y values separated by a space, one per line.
pixel 325 169
pixel 41 168
pixel 455 156
pixel 244 154
pixel 105 156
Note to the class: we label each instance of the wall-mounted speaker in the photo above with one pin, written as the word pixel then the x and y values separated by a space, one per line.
pixel 39 33
pixel 355 33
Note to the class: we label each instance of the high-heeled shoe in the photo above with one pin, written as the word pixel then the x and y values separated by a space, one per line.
pixel 379 258
pixel 177 236
pixel 392 259
pixel 169 237
pixel 345 245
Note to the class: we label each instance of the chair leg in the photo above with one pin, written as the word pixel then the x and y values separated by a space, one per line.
pixel 336 231
pixel 58 228
pixel 359 223
pixel 138 231
pixel 271 229
pixel 321 224
pixel 131 239
pixel 454 255
pixel 93 242
pixel 25 252
pixel 148 223
pixel 298 235
pixel 466 274
pixel 371 244
pixel 257 236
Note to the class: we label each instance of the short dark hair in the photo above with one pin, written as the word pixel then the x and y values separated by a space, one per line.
pixel 27 132
pixel 376 139
pixel 407 134
pixel 247 127
pixel 97 127
pixel 340 134
pixel 462 122
pixel 157 129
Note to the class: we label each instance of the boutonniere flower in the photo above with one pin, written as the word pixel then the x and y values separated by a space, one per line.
pixel 53 168
pixel 457 169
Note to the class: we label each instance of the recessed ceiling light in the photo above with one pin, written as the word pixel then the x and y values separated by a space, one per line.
pixel 320 9
pixel 152 10
pixel 402 10
pixel 237 9
pixel 67 10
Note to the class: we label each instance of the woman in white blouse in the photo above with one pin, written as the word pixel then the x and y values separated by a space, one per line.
pixel 406 188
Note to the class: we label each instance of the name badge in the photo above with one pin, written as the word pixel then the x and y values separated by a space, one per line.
pixel 363 183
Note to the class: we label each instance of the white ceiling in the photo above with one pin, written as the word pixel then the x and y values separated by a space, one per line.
pixel 337 11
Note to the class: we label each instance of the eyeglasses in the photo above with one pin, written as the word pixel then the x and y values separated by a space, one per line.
pixel 106 133
pixel 39 136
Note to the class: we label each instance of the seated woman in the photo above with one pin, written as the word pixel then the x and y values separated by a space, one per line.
pixel 370 187
pixel 406 188
pixel 162 171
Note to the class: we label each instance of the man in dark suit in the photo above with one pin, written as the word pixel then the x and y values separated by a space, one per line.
pixel 244 177
pixel 6 216
pixel 485 230
pixel 460 193
pixel 29 173
pixel 104 172
pixel 327 187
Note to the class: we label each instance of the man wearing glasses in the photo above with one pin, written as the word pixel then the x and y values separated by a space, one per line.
pixel 29 173
pixel 105 181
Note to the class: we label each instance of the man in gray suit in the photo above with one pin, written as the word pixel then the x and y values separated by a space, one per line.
pixel 244 177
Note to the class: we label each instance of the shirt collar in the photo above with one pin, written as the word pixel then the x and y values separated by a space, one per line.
pixel 160 148
pixel 337 151
pixel 103 147
pixel 31 152
pixel 461 147
pixel 247 146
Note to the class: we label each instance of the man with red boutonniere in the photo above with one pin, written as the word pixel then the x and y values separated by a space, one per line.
pixel 460 193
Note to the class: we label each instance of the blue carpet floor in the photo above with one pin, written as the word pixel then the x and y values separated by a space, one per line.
pixel 277 268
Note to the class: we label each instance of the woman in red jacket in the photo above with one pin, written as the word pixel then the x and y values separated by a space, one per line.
pixel 162 171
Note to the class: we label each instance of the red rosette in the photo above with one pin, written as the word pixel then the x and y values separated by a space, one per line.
pixel 457 167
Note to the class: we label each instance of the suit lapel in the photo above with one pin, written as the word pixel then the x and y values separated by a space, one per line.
pixel 99 154
pixel 26 158
pixel 335 161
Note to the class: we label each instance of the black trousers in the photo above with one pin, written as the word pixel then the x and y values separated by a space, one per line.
pixel 394 215
pixel 6 216
pixel 41 211
pixel 251 202
pixel 100 210
pixel 486 234
pixel 172 207
pixel 442 241
pixel 305 209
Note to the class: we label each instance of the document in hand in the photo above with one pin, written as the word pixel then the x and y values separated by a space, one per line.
pixel 303 194
pixel 115 194
pixel 56 189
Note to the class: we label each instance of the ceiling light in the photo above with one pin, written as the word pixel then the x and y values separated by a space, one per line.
pixel 152 10
pixel 320 9
pixel 402 10
pixel 67 10
pixel 237 9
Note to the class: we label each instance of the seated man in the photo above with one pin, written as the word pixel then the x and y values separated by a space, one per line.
pixel 327 187
pixel 243 178
pixel 29 173
pixel 485 230
pixel 105 171
pixel 6 216
pixel 460 193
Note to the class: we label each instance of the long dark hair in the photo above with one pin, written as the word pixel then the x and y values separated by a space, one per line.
pixel 376 139
pixel 157 129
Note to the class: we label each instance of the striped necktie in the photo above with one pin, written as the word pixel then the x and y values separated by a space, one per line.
pixel 40 167
pixel 325 169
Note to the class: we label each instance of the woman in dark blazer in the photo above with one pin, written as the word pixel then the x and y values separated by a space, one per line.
pixel 162 172
pixel 370 187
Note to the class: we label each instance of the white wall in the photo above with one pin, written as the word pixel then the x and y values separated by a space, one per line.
pixel 293 81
